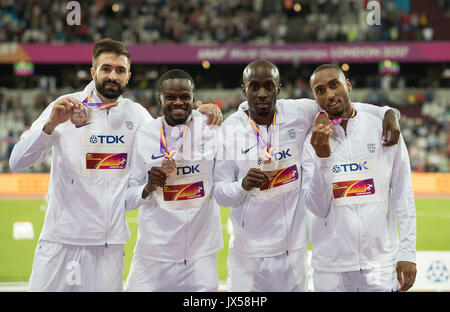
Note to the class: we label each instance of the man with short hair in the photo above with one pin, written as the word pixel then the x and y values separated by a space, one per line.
pixel 171 178
pixel 81 244
pixel 352 182
pixel 258 174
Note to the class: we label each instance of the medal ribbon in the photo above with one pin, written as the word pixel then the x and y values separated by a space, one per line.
pixel 174 148
pixel 268 149
pixel 98 105
pixel 336 121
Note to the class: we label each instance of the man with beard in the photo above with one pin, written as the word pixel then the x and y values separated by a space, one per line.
pixel 171 178
pixel 257 174
pixel 352 182
pixel 82 240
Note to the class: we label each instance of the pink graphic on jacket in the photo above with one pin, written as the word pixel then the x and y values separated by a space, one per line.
pixel 106 160
pixel 281 177
pixel 183 191
pixel 353 188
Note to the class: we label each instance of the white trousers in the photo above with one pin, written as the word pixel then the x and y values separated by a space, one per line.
pixel 286 272
pixel 373 280
pixel 61 267
pixel 157 276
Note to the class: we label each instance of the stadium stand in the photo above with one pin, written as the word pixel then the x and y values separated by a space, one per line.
pixel 424 122
pixel 231 21
pixel 420 92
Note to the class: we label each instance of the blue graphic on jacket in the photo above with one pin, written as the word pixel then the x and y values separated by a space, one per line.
pixel 247 150
pixel 156 157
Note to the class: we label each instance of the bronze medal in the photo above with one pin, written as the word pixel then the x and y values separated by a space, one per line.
pixel 79 116
pixel 169 166
pixel 322 118
pixel 270 166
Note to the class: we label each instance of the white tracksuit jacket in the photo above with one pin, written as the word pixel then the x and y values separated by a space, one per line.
pixel 273 221
pixel 89 172
pixel 183 221
pixel 349 193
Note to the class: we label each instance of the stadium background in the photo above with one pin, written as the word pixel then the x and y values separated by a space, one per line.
pixel 403 60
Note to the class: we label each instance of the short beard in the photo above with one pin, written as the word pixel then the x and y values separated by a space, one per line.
pixel 109 94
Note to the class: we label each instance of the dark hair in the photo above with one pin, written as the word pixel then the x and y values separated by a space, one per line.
pixel 327 66
pixel 108 45
pixel 175 74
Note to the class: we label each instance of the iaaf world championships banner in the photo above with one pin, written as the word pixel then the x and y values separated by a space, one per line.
pixel 226 54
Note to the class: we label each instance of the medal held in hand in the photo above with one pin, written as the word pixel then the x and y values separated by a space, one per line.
pixel 322 118
pixel 79 116
pixel 168 165
pixel 268 162
pixel 269 165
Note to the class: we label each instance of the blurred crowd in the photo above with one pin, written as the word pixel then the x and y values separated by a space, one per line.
pixel 428 143
pixel 425 115
pixel 424 122
pixel 214 21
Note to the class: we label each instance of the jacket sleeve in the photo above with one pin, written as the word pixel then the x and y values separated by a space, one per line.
pixel 316 181
pixel 227 191
pixel 227 187
pixel 34 144
pixel 137 180
pixel 403 201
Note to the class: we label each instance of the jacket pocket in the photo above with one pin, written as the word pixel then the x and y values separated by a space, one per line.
pixel 46 255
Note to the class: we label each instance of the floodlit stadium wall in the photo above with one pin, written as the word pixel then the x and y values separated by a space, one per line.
pixel 226 53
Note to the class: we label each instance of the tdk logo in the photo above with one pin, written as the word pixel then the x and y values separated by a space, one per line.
pixel 188 169
pixel 106 139
pixel 350 167
pixel 283 154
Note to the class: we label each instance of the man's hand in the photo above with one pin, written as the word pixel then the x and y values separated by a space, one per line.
pixel 320 138
pixel 156 177
pixel 406 274
pixel 213 112
pixel 390 126
pixel 254 178
pixel 61 112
